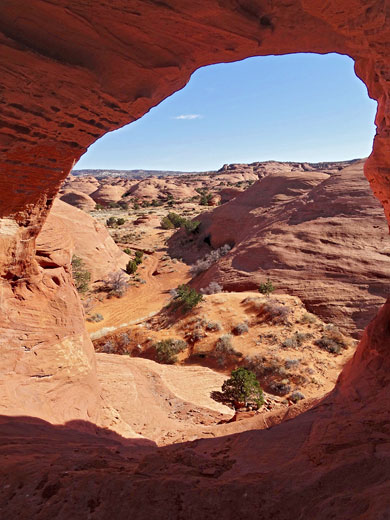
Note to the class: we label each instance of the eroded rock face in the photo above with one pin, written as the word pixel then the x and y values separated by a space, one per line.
pixel 69 231
pixel 78 199
pixel 318 234
pixel 71 72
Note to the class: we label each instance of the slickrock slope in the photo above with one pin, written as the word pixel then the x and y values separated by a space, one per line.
pixel 152 188
pixel 86 184
pixel 108 193
pixel 159 403
pixel 79 200
pixel 69 74
pixel 87 239
pixel 321 237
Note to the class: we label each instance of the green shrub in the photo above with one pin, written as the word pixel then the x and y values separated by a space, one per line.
pixel 127 251
pixel 111 222
pixel 187 297
pixel 81 275
pixel 139 256
pixel 191 226
pixel 204 199
pixel 173 220
pixel 120 221
pixel 176 219
pixel 167 350
pixel 131 267
pixel 266 288
pixel 166 223
pixel 99 206
pixel 243 387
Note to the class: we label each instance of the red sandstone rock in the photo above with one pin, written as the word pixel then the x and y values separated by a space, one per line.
pixel 228 194
pixel 85 237
pixel 306 231
pixel 152 188
pixel 79 200
pixel 87 184
pixel 108 193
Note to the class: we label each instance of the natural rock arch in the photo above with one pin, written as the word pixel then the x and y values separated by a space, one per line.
pixel 72 70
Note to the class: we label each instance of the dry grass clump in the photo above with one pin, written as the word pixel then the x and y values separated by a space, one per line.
pixel 273 373
pixel 117 344
pixel 225 351
pixel 332 340
pixel 95 318
pixel 309 319
pixel 206 262
pixel 272 311
pixel 240 328
pixel 296 340
pixel 213 326
pixel 116 284
pixel 212 288
pixel 167 350
pixel 296 396
pixel 264 367
pixel 270 371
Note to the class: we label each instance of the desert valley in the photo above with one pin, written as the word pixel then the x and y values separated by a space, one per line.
pixel 224 235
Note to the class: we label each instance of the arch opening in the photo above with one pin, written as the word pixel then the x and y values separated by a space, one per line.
pixel 315 215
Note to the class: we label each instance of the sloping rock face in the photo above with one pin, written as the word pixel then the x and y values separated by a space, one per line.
pixel 61 89
pixel 69 231
pixel 79 200
pixel 106 194
pixel 152 188
pixel 306 231
pixel 86 184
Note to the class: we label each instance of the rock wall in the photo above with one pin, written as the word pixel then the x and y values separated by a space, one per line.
pixel 71 71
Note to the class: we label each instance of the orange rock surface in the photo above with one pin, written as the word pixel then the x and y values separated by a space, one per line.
pixel 306 231
pixel 78 199
pixel 87 239
pixel 70 72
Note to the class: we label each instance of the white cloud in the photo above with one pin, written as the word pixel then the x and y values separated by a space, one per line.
pixel 188 117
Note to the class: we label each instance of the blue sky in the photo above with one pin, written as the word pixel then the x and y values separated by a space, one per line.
pixel 299 107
